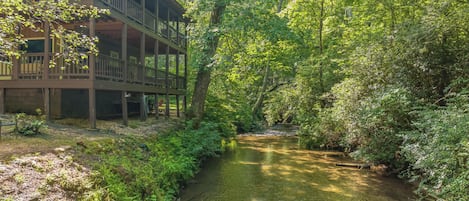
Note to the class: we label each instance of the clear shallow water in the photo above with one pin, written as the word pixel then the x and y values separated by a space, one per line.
pixel 274 169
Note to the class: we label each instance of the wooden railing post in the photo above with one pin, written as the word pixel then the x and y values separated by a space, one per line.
pixel 177 69
pixel 142 57
pixel 47 46
pixel 167 81
pixel 92 57
pixel 185 83
pixel 157 12
pixel 124 50
pixel 155 61
pixel 125 7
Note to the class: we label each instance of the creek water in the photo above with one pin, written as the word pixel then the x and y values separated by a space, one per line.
pixel 273 168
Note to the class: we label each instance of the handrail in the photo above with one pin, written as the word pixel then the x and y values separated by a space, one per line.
pixel 135 11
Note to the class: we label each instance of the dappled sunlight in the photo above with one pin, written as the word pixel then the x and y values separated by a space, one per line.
pixel 274 168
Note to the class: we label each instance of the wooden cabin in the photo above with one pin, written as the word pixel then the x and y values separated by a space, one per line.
pixel 142 53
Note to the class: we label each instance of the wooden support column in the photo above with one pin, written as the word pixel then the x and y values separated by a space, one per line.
pixel 167 81
pixel 47 103
pixel 124 50
pixel 185 84
pixel 177 70
pixel 2 100
pixel 92 57
pixel 178 114
pixel 92 107
pixel 155 80
pixel 168 26
pixel 47 48
pixel 177 31
pixel 143 113
pixel 142 57
pixel 125 113
pixel 92 90
pixel 157 14
pixel 45 70
pixel 157 107
pixel 16 68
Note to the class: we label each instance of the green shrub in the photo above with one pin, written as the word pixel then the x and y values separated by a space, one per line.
pixel 153 168
pixel 438 150
pixel 30 125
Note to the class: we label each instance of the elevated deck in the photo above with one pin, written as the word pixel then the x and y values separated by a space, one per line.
pixel 109 74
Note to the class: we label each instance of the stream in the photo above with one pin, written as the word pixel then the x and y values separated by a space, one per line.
pixel 273 168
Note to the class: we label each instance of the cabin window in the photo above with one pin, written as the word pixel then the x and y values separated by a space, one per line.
pixel 35 46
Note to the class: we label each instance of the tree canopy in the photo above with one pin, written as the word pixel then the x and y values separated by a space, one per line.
pixel 385 81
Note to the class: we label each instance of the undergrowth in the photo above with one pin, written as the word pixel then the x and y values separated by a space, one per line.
pixel 151 167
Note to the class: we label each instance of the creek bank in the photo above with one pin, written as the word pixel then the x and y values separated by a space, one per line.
pixel 105 164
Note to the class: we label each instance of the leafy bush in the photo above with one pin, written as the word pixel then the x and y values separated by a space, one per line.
pixel 154 167
pixel 438 150
pixel 381 119
pixel 30 125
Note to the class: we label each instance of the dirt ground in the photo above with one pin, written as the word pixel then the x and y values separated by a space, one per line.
pixel 41 167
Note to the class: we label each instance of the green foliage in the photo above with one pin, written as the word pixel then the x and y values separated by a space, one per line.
pixel 438 149
pixel 32 15
pixel 153 168
pixel 382 117
pixel 30 125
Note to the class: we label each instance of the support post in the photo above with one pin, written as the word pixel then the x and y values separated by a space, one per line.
pixel 124 49
pixel 157 107
pixel 47 54
pixel 155 62
pixel 92 58
pixel 92 90
pixel 142 57
pixel 177 31
pixel 177 106
pixel 167 82
pixel 143 115
pixel 2 100
pixel 185 84
pixel 47 103
pixel 157 14
pixel 125 113
pixel 92 107
pixel 177 69
pixel 16 68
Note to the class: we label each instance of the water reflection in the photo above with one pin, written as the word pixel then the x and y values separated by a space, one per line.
pixel 273 168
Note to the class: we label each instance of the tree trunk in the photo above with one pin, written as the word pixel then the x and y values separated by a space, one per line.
pixel 256 110
pixel 321 50
pixel 203 76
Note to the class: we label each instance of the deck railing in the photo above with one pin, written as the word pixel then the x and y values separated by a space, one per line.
pixel 149 20
pixel 106 68
pixel 109 68
pixel 31 66
pixel 135 11
pixel 5 68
